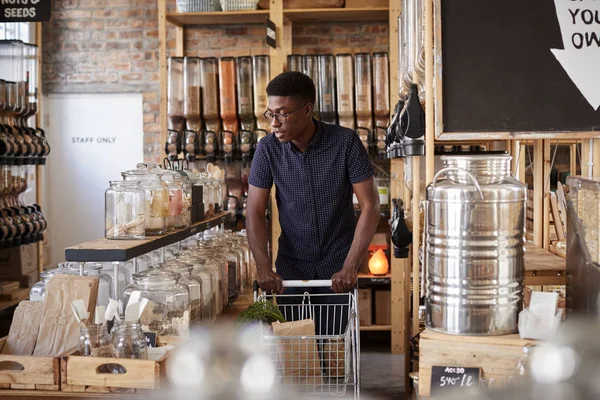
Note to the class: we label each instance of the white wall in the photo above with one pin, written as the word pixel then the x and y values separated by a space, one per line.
pixel 93 137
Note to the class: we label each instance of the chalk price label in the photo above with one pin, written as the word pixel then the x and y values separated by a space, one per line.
pixel 444 378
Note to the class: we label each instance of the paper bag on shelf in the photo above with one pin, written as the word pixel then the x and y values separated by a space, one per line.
pixel 24 329
pixel 300 357
pixel 59 331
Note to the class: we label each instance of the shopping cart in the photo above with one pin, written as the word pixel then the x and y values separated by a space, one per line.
pixel 328 361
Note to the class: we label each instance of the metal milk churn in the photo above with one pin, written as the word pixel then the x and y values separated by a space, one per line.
pixel 474 246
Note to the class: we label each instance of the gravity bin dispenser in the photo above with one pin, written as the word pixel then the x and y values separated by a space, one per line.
pixel 583 246
pixel 215 115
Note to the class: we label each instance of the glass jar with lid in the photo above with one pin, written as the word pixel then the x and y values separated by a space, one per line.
pixel 193 284
pixel 123 276
pixel 243 270
pixel 209 252
pixel 186 210
pixel 105 282
pixel 234 279
pixel 207 194
pixel 129 340
pixel 208 273
pixel 95 341
pixel 167 311
pixel 124 210
pixel 38 290
pixel 175 199
pixel 156 197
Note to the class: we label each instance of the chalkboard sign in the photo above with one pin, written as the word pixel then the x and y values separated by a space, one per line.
pixel 515 68
pixel 24 10
pixel 449 378
pixel 150 339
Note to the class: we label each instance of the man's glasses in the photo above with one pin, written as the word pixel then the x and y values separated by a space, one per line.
pixel 281 118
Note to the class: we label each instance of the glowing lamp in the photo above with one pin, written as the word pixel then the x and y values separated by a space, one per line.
pixel 378 263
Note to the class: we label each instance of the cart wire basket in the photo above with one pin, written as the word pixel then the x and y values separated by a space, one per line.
pixel 326 362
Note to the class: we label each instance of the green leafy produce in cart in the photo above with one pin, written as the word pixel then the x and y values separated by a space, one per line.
pixel 261 311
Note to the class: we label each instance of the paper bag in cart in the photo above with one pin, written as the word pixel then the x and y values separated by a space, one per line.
pixel 299 358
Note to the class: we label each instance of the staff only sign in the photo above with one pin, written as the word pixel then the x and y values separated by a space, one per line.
pixel 24 10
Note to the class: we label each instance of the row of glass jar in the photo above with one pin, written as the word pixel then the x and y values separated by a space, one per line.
pixel 151 201
pixel 186 285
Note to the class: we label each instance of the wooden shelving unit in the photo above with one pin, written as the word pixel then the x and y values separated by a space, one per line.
pixel 105 250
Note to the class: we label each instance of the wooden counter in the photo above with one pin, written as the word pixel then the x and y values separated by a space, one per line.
pixel 497 356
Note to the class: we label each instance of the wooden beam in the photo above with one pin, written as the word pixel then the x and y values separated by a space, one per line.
pixel 573 159
pixel 400 297
pixel 277 60
pixel 163 71
pixel 38 123
pixel 538 192
pixel 429 98
pixel 416 240
pixel 547 171
pixel 179 41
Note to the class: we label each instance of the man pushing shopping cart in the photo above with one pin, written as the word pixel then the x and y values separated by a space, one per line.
pixel 316 168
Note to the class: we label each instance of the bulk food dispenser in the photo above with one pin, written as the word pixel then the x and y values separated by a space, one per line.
pixel 227 84
pixel 294 63
pixel 364 92
pixel 245 106
pixel 192 109
pixel 262 76
pixel 327 106
pixel 209 82
pixel 345 90
pixel 381 100
pixel 175 107
pixel 310 64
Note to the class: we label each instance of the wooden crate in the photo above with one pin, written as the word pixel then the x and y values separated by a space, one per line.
pixel 81 374
pixel 497 356
pixel 37 373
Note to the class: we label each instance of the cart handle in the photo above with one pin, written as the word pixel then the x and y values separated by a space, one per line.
pixel 300 283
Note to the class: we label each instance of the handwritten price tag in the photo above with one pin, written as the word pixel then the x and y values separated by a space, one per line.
pixel 444 378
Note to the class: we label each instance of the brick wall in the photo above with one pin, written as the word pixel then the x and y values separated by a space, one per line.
pixel 93 46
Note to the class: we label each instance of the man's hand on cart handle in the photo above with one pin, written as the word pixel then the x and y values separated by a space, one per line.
pixel 345 280
pixel 269 281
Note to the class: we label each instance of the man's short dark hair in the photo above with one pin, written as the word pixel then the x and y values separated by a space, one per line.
pixel 293 84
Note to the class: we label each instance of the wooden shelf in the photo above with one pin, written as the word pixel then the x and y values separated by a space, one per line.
pixel 104 250
pixel 5 305
pixel 544 268
pixel 219 18
pixel 338 14
pixel 371 328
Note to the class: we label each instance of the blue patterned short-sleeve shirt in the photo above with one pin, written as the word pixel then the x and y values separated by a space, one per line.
pixel 314 198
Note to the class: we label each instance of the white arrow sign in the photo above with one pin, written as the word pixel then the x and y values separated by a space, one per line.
pixel 580 28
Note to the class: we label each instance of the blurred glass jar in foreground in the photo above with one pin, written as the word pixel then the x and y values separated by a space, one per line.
pixel 125 211
pixel 167 311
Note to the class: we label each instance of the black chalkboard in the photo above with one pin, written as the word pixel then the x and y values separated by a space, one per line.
pixel 25 10
pixel 445 378
pixel 498 72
